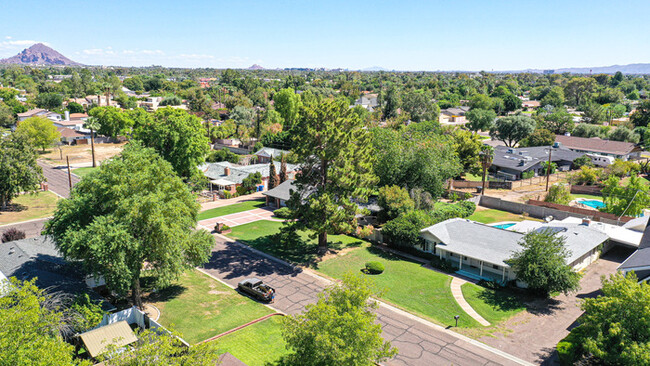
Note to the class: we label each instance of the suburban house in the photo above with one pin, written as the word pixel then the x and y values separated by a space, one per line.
pixel 38 258
pixel 639 261
pixel 227 176
pixel 481 251
pixel 267 153
pixel 278 196
pixel 510 163
pixel 368 102
pixel 39 112
pixel 596 146
pixel 151 104
pixel 73 121
pixel 530 105
pixel 70 136
pixel 455 115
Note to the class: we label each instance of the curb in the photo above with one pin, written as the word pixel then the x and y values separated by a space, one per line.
pixel 240 327
pixel 26 222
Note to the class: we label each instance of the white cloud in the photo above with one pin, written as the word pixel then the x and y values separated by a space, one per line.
pixel 8 37
pixel 9 44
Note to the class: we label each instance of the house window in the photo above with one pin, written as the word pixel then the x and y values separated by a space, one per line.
pixel 495 266
pixel 464 258
pixel 451 254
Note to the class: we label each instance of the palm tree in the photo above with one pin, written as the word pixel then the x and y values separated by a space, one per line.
pixel 486 154
pixel 93 125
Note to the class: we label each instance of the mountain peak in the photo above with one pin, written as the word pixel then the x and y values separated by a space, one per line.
pixel 256 67
pixel 39 54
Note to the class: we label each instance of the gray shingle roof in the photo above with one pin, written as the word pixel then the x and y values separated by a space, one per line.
pixel 271 152
pixel 641 257
pixel 512 158
pixel 496 246
pixel 282 191
pixel 239 172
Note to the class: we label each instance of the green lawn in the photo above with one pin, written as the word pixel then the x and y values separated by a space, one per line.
pixel 489 216
pixel 28 207
pixel 199 307
pixel 587 196
pixel 82 172
pixel 259 235
pixel 231 209
pixel 473 177
pixel 493 305
pixel 257 344
pixel 405 284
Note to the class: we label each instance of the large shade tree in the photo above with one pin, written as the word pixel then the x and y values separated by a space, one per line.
pixel 113 121
pixel 336 155
pixel 40 130
pixel 19 171
pixel 512 129
pixel 178 137
pixel 133 215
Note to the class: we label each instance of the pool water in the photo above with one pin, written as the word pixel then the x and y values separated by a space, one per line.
pixel 504 226
pixel 593 203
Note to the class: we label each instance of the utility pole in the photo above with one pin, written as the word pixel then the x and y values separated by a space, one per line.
pixel 548 167
pixel 67 158
pixel 92 146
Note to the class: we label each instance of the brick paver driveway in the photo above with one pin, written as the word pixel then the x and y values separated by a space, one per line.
pixel 239 218
pixel 419 342
pixel 535 332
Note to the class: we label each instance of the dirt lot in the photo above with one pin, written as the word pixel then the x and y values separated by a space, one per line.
pixel 82 153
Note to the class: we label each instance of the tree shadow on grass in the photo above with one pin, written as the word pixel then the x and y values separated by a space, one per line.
pixel 166 294
pixel 14 207
pixel 502 300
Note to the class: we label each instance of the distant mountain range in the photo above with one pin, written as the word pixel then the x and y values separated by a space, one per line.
pixel 256 67
pixel 39 54
pixel 625 69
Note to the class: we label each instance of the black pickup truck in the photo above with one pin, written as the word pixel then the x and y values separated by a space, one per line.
pixel 254 287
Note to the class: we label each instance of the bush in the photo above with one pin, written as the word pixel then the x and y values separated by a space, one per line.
pixel 584 160
pixel 558 193
pixel 12 234
pixel 222 155
pixel 283 212
pixel 404 231
pixel 374 267
pixel 586 175
pixel 567 351
pixel 528 174
pixel 443 265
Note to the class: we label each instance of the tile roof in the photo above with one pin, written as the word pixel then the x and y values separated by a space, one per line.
pixel 597 145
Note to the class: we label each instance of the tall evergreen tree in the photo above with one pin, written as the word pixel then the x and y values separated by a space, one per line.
pixel 283 169
pixel 273 176
pixel 336 152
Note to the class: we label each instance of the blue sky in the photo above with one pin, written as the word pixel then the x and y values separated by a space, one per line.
pixel 401 35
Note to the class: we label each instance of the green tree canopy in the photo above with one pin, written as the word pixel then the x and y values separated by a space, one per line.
pixel 554 97
pixel 539 137
pixel 420 106
pixel 19 171
pixel 339 329
pixel 113 121
pixel 133 210
pixel 49 100
pixel 541 264
pixel 614 327
pixel 336 154
pixel 629 200
pixel 288 104
pixel 512 129
pixel 394 201
pixel 480 119
pixel 468 146
pixel 178 137
pixel 6 116
pixel 641 117
pixel 40 130
pixel 558 121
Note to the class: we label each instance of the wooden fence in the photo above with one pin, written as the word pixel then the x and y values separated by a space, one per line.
pixel 593 190
pixel 597 215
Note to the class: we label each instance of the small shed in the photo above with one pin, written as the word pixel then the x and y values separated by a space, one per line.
pixel 117 334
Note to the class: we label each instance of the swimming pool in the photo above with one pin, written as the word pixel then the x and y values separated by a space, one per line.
pixel 593 203
pixel 504 226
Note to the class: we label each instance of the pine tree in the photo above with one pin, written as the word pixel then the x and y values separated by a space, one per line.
pixel 283 169
pixel 273 177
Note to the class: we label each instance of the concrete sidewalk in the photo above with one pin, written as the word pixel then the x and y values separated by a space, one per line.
pixel 231 201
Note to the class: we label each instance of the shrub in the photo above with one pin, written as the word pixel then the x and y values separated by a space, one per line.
pixel 283 212
pixel 584 160
pixel 586 175
pixel 394 201
pixel 374 267
pixel 405 229
pixel 443 265
pixel 567 351
pixel 527 174
pixel 12 234
pixel 558 193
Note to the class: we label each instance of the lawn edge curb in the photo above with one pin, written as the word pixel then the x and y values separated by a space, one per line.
pixel 240 327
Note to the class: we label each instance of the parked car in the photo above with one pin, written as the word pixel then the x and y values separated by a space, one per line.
pixel 255 288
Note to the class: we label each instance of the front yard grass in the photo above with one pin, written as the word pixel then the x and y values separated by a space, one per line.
pixel 493 305
pixel 82 172
pixel 256 345
pixel 198 307
pixel 491 215
pixel 405 284
pixel 259 235
pixel 29 206
pixel 231 209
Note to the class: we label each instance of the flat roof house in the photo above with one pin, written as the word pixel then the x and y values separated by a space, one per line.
pixel 510 163
pixel 597 146
pixel 482 251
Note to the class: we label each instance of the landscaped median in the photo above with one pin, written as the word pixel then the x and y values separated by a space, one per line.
pixel 404 283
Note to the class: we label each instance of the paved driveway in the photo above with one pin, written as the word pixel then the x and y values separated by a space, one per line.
pixel 535 332
pixel 239 218
pixel 419 342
